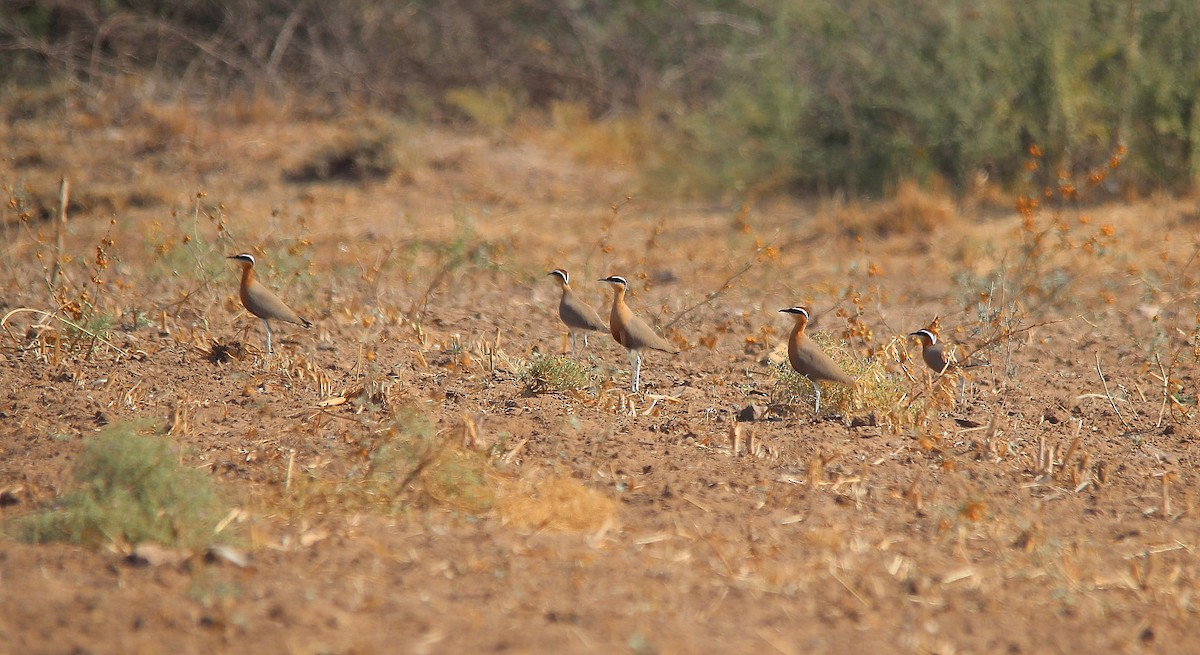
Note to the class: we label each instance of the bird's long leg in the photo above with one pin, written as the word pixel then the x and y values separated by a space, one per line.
pixel 267 325
pixel 635 358
pixel 573 338
pixel 817 393
pixel 584 341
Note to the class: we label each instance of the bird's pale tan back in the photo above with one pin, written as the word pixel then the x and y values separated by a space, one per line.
pixel 578 315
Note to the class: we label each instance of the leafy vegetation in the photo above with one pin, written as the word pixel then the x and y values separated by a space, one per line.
pixel 741 98
pixel 130 489
pixel 555 374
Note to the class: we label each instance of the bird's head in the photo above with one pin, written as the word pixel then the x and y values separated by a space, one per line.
pixel 925 336
pixel 797 311
pixel 561 275
pixel 616 280
pixel 245 259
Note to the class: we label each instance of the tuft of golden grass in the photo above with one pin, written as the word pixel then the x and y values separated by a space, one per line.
pixel 494 107
pixel 554 502
pixel 614 140
pixel 909 209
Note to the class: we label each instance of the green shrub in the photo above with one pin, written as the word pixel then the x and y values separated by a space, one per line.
pixel 130 488
pixel 555 374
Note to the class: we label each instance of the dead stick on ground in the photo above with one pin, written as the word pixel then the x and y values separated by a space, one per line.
pixel 61 227
pixel 1108 394
pixel 1166 389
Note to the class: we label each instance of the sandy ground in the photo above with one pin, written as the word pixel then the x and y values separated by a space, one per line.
pixel 1050 510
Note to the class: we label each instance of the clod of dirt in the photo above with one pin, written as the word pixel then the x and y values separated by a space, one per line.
pixel 868 421
pixel 752 412
pixel 221 353
pixel 9 497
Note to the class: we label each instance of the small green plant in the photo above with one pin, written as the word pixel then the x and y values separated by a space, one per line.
pixel 555 374
pixel 130 489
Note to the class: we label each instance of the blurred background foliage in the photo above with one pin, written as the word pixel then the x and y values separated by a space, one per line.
pixel 796 96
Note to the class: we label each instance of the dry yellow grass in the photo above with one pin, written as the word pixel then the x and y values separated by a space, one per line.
pixel 554 502
pixel 909 209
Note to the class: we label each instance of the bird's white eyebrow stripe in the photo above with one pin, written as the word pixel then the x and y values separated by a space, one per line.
pixel 932 336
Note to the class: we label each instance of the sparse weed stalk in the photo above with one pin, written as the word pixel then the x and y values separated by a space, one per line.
pixel 1055 250
pixel 82 317
pixel 463 250
pixel 128 489
pixel 556 374
pixel 406 466
pixel 181 250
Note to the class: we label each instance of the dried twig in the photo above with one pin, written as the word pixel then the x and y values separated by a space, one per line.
pixel 93 335
pixel 60 227
pixel 1108 394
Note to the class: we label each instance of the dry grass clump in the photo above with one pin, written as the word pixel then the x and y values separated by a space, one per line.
pixel 884 390
pixel 909 209
pixel 554 502
pixel 131 489
pixel 493 107
pixel 366 153
pixel 615 139
pixel 900 399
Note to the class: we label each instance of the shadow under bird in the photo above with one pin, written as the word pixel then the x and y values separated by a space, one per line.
pixel 809 360
pixel 577 315
pixel 631 331
pixel 261 301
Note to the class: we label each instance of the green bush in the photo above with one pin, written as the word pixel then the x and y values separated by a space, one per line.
pixel 744 98
pixel 555 374
pixel 130 488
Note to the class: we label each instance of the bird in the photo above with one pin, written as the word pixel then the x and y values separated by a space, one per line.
pixel 940 356
pixel 943 358
pixel 809 360
pixel 261 301
pixel 631 331
pixel 937 356
pixel 577 315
